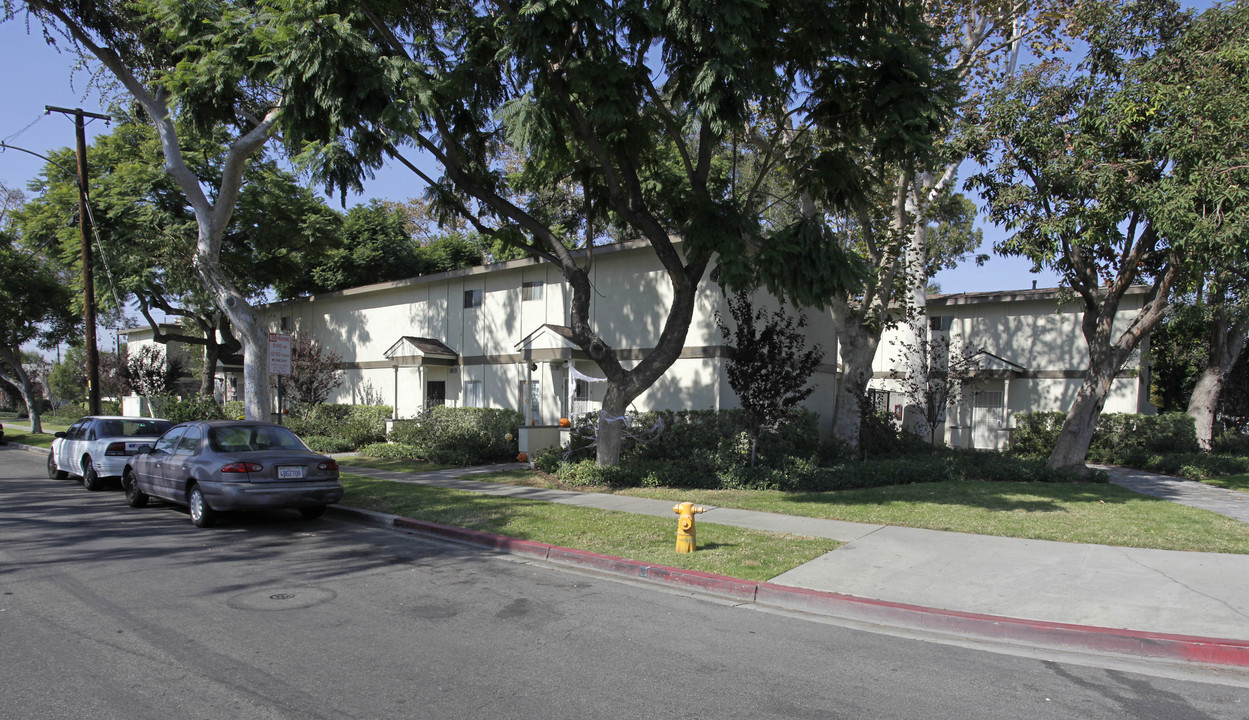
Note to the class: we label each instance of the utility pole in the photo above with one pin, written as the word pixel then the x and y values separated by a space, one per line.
pixel 88 275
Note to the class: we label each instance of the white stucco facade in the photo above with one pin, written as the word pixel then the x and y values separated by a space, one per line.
pixel 1034 359
pixel 496 336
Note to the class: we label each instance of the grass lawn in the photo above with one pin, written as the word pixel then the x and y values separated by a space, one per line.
pixel 1096 513
pixel 43 439
pixel 748 554
pixel 1231 482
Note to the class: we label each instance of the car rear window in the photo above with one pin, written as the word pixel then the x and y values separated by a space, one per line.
pixel 248 438
pixel 132 428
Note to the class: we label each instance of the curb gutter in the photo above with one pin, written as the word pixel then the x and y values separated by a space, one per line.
pixel 1033 633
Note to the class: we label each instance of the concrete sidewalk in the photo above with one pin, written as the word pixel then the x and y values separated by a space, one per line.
pixel 1076 591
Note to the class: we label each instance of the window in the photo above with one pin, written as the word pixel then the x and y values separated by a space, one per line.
pixel 189 443
pixel 472 393
pixel 167 442
pixel 940 323
pixel 531 290
pixel 472 298
pixel 285 322
pixel 988 399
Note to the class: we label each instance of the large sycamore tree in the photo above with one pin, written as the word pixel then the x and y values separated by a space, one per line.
pixel 628 108
pixel 205 64
pixel 1127 168
pixel 147 232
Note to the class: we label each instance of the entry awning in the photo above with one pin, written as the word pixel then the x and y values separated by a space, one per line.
pixel 992 365
pixel 411 350
pixel 549 342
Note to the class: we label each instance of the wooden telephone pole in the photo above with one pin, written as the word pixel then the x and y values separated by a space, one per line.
pixel 88 276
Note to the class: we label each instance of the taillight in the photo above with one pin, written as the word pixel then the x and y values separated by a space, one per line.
pixel 117 448
pixel 330 464
pixel 242 467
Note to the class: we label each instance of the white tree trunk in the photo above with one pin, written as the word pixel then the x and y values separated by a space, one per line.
pixel 856 346
pixel 1226 346
pixel 22 380
pixel 916 346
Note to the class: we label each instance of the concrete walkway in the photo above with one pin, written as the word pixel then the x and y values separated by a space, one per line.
pixel 1156 591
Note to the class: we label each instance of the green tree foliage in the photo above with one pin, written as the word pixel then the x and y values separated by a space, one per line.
pixel 376 245
pixel 1124 169
pixel 36 306
pixel 619 114
pixel 1178 353
pixel 770 367
pixel 146 232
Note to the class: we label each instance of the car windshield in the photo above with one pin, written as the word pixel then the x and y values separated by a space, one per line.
pixel 132 428
pixel 248 438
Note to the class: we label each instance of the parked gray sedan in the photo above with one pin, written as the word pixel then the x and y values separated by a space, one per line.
pixel 219 465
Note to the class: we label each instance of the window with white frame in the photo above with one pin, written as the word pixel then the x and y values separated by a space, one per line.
pixel 472 393
pixel 472 298
pixel 531 290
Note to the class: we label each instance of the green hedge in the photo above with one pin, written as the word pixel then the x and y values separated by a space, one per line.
pixel 1120 438
pixel 178 410
pixel 461 436
pixel 703 440
pixel 809 476
pixel 349 426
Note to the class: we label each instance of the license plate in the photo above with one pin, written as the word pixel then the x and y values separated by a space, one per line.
pixel 290 472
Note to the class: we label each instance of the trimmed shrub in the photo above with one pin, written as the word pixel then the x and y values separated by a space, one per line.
pixel 389 451
pixel 233 409
pixel 178 410
pixel 461 436
pixel 353 425
pixel 1120 438
pixel 1194 466
pixel 880 436
pixel 324 444
pixel 1231 442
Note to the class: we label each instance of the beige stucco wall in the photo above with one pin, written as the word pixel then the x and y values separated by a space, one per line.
pixel 1035 330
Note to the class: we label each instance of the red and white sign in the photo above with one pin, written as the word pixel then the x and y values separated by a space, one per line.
pixel 279 354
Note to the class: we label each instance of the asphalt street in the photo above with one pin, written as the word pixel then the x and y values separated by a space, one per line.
pixel 109 612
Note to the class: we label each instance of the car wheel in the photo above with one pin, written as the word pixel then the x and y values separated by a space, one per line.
pixel 202 515
pixel 53 473
pixel 90 480
pixel 135 497
pixel 312 513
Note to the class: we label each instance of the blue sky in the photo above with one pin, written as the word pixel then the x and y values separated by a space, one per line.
pixel 36 75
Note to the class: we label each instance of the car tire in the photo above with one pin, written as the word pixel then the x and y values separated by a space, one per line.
pixel 90 480
pixel 135 497
pixel 53 473
pixel 312 513
pixel 201 515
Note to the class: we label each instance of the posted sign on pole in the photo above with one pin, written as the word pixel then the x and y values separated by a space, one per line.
pixel 279 354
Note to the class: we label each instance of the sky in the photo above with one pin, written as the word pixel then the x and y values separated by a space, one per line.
pixel 36 75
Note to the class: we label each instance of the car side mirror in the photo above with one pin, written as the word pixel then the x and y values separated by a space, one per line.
pixel 143 450
pixel 59 433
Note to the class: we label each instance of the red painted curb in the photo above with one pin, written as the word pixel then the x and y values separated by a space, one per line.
pixel 473 537
pixel 1054 635
pixel 1091 638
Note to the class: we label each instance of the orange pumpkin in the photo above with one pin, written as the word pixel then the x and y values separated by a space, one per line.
pixel 522 458
pixel 563 422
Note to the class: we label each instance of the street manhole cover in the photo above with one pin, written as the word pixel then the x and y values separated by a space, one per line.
pixel 281 598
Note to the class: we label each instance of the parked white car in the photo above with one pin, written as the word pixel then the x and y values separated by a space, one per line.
pixel 97 447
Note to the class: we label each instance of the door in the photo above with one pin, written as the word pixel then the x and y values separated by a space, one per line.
pixel 66 457
pixel 178 467
pixel 435 393
pixel 150 472
pixel 986 420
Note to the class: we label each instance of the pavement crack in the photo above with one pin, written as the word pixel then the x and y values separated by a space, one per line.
pixel 1185 585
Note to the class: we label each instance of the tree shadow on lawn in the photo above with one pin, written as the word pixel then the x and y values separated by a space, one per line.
pixel 1000 496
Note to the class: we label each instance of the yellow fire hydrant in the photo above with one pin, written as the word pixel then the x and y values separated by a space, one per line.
pixel 686 537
